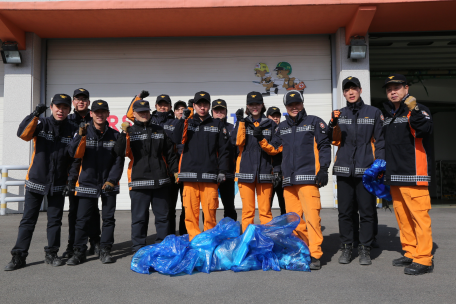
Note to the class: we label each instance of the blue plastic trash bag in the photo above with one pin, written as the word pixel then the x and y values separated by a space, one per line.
pixel 206 242
pixel 272 246
pixel 373 183
pixel 172 256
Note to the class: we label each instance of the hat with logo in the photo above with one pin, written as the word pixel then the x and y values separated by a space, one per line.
pixel 292 96
pixel 219 103
pixel 254 97
pixel 141 105
pixel 352 81
pixel 273 110
pixel 99 105
pixel 163 97
pixel 81 91
pixel 395 78
pixel 201 95
pixel 61 98
pixel 180 103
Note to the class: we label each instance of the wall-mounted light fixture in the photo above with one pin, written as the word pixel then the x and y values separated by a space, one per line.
pixel 358 48
pixel 10 53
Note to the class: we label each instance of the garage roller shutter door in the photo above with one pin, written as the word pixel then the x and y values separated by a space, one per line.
pixel 117 69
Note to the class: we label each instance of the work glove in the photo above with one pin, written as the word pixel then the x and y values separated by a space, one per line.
pixel 240 115
pixel 334 118
pixel 322 177
pixel 221 178
pixel 125 126
pixel 143 94
pixel 276 179
pixel 190 103
pixel 69 188
pixel 176 177
pixel 410 102
pixel 186 114
pixel 83 128
pixel 258 133
pixel 108 187
pixel 40 108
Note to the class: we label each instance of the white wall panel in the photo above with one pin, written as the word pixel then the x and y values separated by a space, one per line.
pixel 117 69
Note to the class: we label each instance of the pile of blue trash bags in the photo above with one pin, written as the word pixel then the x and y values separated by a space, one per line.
pixel 270 246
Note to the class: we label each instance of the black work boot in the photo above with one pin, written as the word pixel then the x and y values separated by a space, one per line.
pixel 345 257
pixel 315 264
pixel 418 269
pixel 105 255
pixel 17 262
pixel 51 258
pixel 364 255
pixel 78 258
pixel 68 252
pixel 94 248
pixel 402 262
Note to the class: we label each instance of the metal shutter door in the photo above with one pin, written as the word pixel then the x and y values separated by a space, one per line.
pixel 117 69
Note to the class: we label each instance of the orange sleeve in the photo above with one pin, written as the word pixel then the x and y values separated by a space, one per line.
pixel 268 148
pixel 130 109
pixel 81 148
pixel 27 135
pixel 240 138
pixel 128 152
pixel 336 136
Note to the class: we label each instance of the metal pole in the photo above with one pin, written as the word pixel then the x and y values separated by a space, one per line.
pixel 4 191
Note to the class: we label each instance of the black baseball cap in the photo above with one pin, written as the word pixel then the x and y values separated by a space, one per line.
pixel 292 96
pixel 351 80
pixel 61 98
pixel 254 97
pixel 163 97
pixel 273 110
pixel 219 103
pixel 141 105
pixel 395 78
pixel 201 95
pixel 99 105
pixel 180 103
pixel 81 91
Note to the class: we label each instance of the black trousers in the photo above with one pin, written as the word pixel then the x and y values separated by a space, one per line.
pixel 94 231
pixel 351 193
pixel 29 218
pixel 279 192
pixel 182 228
pixel 84 218
pixel 227 194
pixel 141 200
pixel 172 203
pixel 356 225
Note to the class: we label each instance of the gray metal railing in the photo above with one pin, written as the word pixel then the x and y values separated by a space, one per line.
pixel 6 183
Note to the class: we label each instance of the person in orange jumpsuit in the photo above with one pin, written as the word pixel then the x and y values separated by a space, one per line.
pixel 306 155
pixel 253 166
pixel 203 162
pixel 407 129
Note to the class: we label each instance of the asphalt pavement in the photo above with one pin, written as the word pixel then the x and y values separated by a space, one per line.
pixel 93 282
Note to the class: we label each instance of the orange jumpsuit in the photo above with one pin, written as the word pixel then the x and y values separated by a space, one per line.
pixel 253 171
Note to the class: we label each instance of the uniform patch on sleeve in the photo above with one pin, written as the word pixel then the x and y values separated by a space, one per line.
pixel 322 125
pixel 426 115
pixel 382 118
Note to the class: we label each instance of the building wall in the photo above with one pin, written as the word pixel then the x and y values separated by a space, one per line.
pixel 117 69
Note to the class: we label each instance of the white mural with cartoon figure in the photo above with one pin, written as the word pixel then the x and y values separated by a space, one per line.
pixel 278 82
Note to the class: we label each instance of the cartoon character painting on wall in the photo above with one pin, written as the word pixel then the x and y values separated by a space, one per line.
pixel 285 80
pixel 262 71
pixel 282 80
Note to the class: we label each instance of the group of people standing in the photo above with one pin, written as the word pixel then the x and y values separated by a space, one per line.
pixel 195 151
